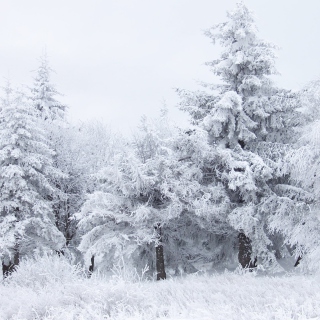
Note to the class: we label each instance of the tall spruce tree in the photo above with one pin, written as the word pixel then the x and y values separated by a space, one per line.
pixel 26 168
pixel 43 93
pixel 65 140
pixel 249 121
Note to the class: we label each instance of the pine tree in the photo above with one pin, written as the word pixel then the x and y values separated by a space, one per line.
pixel 43 93
pixel 304 165
pixel 246 116
pixel 110 219
pixel 150 195
pixel 70 186
pixel 26 166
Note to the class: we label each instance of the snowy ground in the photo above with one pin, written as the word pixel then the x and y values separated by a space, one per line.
pixel 55 290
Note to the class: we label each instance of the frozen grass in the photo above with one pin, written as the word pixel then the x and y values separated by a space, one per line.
pixel 42 290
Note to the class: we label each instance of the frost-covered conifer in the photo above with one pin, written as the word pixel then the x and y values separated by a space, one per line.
pixel 148 196
pixel 198 223
pixel 65 140
pixel 244 113
pixel 44 93
pixel 304 165
pixel 26 218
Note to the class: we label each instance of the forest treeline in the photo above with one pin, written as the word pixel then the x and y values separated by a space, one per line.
pixel 240 185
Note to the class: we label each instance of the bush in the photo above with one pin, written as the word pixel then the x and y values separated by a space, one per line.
pixel 40 272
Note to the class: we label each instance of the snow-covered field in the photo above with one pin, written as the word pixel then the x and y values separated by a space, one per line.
pixel 53 289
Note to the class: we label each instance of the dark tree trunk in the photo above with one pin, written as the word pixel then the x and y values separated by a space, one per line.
pixel 298 261
pixel 245 252
pixel 91 267
pixel 161 273
pixel 16 257
pixel 7 269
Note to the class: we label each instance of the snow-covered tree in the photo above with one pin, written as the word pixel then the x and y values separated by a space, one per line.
pixel 80 151
pixel 69 157
pixel 26 167
pixel 72 187
pixel 107 220
pixel 244 113
pixel 150 195
pixel 44 93
pixel 310 101
pixel 52 118
pixel 304 165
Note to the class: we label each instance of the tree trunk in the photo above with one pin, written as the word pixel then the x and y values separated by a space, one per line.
pixel 91 267
pixel 298 261
pixel 7 269
pixel 161 274
pixel 245 252
pixel 16 257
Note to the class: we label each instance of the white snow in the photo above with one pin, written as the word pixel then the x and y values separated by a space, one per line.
pixel 53 289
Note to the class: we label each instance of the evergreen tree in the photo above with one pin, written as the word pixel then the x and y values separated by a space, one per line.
pixel 26 167
pixel 304 166
pixel 244 114
pixel 43 93
pixel 65 140
pixel 151 195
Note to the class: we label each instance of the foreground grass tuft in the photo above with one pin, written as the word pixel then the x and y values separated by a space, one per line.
pixel 50 288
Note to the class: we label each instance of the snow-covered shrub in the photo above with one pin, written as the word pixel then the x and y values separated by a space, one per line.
pixel 44 271
pixel 123 272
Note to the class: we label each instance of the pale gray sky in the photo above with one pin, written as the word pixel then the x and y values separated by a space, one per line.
pixel 119 59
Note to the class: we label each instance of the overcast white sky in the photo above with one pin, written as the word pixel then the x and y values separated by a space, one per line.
pixel 119 59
